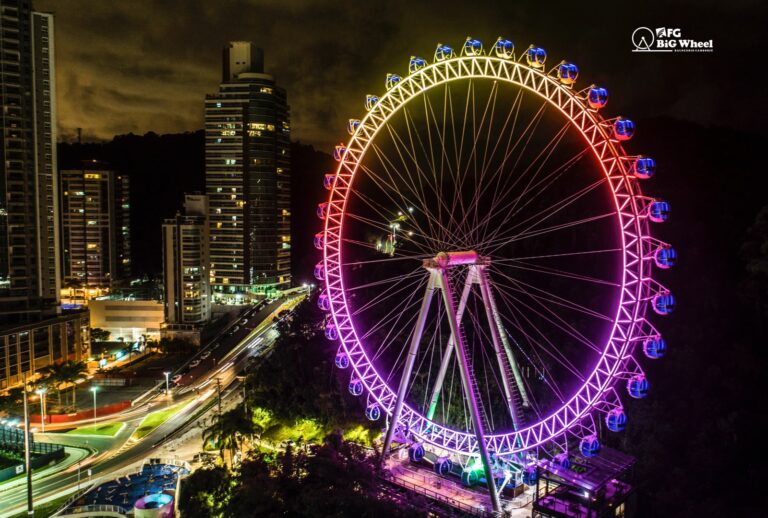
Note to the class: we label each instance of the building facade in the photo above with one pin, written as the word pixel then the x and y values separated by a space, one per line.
pixel 127 319
pixel 29 230
pixel 185 264
pixel 27 348
pixel 247 163
pixel 95 227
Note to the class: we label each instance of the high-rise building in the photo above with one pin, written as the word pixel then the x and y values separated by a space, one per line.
pixel 29 233
pixel 95 223
pixel 186 262
pixel 247 179
pixel 33 332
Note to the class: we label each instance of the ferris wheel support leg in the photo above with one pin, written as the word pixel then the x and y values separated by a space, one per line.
pixel 469 390
pixel 448 352
pixel 410 360
pixel 485 291
pixel 505 342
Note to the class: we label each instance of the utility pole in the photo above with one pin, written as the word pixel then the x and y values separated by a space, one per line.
pixel 27 452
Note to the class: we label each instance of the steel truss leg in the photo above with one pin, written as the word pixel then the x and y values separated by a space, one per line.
pixel 409 362
pixel 505 342
pixel 485 291
pixel 446 361
pixel 469 390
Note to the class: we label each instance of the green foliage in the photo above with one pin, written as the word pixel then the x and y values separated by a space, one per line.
pixel 336 478
pixel 298 381
pixel 12 402
pixel 100 335
pixel 228 431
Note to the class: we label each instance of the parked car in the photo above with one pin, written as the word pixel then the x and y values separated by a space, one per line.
pixel 205 355
pixel 244 321
pixel 194 363
pixel 176 378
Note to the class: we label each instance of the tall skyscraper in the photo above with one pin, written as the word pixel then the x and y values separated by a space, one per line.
pixel 247 162
pixel 95 214
pixel 29 231
pixel 33 333
pixel 186 262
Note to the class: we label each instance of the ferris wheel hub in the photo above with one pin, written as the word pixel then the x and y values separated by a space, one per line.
pixel 445 260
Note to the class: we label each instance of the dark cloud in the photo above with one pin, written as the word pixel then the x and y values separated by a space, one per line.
pixel 147 65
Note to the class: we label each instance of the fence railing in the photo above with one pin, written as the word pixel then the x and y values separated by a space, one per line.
pixel 439 497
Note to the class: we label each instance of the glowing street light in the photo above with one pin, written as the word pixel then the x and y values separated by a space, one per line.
pixel 166 382
pixel 41 392
pixel 94 390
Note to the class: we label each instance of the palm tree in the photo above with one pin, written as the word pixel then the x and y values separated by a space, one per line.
pixel 68 372
pixel 49 375
pixel 228 431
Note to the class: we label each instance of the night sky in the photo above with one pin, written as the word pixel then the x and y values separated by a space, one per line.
pixel 138 66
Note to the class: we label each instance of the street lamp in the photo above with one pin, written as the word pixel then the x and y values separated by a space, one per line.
pixel 94 390
pixel 41 392
pixel 167 391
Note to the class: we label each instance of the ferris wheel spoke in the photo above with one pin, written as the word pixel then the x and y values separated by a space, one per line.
pixel 559 322
pixel 382 184
pixel 415 138
pixel 390 291
pixel 402 209
pixel 550 179
pixel 512 115
pixel 514 321
pixel 393 315
pixel 499 243
pixel 547 296
pixel 397 257
pixel 550 349
pixel 517 150
pixel 542 158
pixel 550 211
pixel 555 272
pixel 458 148
pixel 558 255
pixel 396 327
pixel 409 156
pixel 479 175
pixel 381 282
pixel 405 236
pixel 539 365
pixel 509 209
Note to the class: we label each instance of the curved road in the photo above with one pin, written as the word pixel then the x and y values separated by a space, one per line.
pixel 115 454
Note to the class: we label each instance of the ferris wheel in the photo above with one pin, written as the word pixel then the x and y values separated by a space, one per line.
pixel 488 262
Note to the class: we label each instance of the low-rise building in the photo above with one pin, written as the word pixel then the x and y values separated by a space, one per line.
pixel 27 348
pixel 126 318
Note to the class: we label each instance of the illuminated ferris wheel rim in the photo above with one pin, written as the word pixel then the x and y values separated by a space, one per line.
pixel 630 326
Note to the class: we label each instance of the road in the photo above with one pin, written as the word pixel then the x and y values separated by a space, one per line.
pixel 199 393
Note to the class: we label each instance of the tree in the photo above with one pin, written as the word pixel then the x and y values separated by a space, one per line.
pixel 100 335
pixel 203 493
pixel 68 372
pixel 12 402
pixel 228 431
